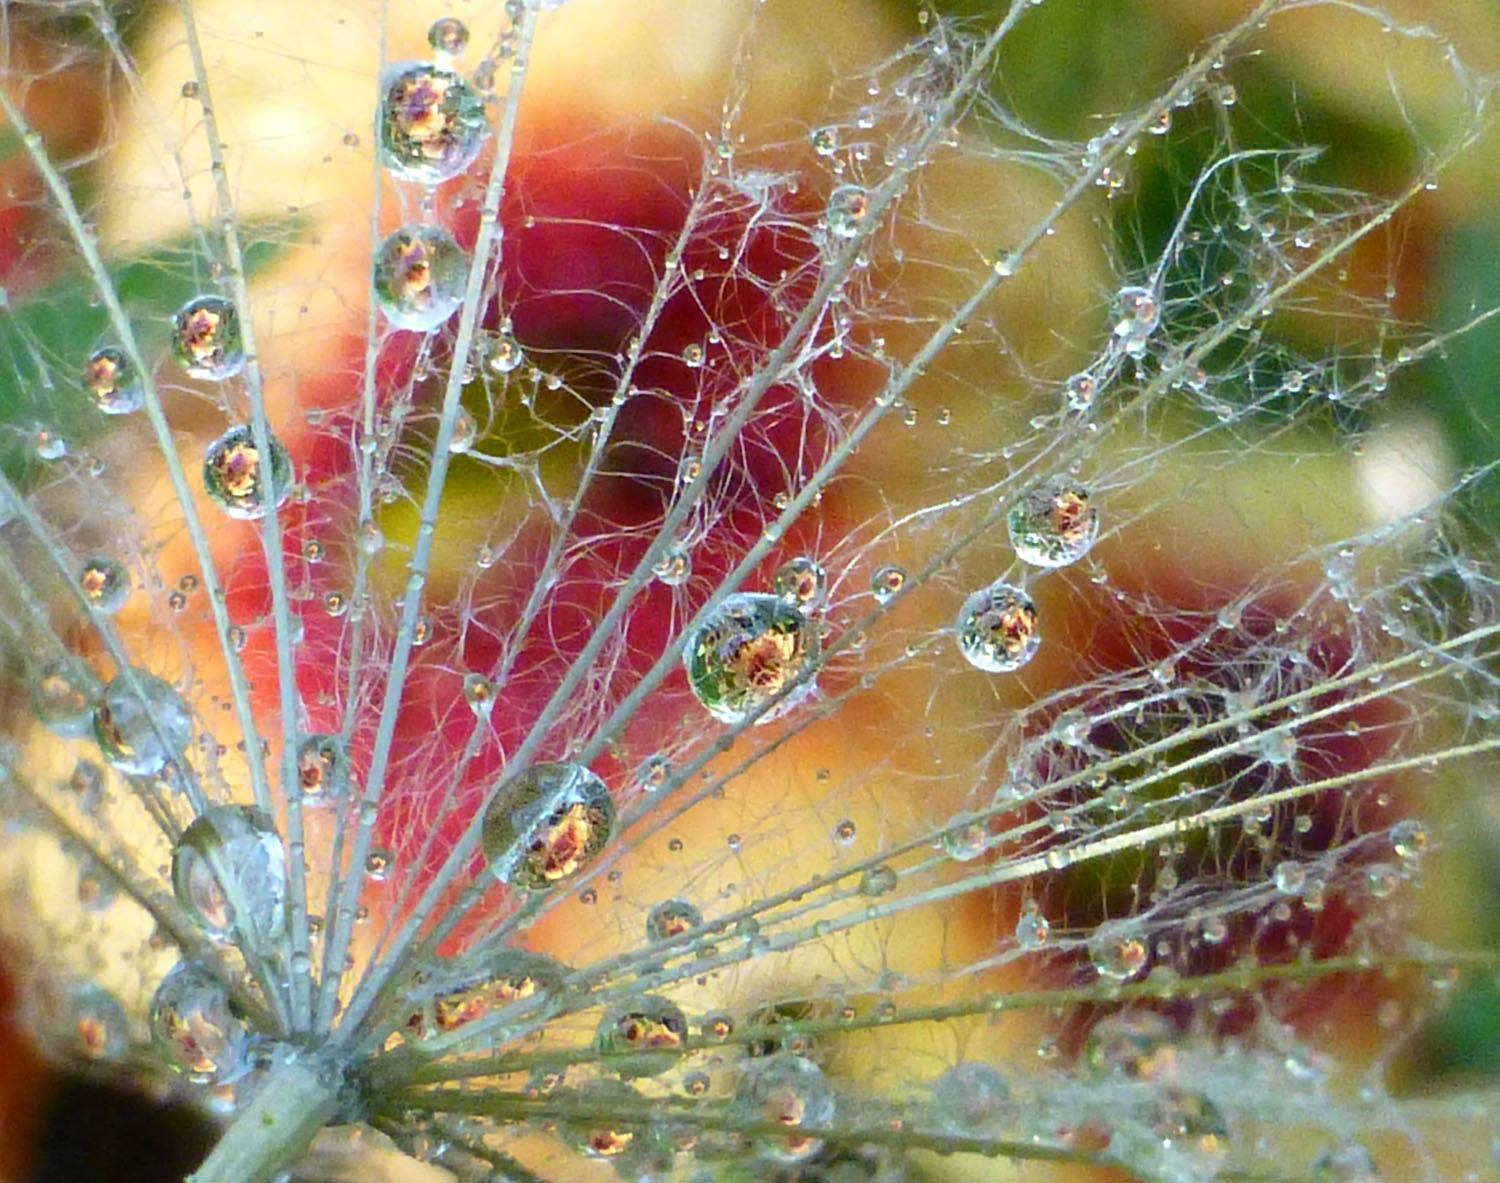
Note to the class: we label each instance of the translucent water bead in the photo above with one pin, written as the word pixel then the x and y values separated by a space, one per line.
pixel 467 993
pixel 431 123
pixel 142 723
pixel 652 1030
pixel 997 629
pixel 1053 524
pixel 105 584
pixel 547 826
pixel 971 1100
pixel 234 473
pixel 419 274
pixel 790 1091
pixel 748 651
pixel 193 1024
pixel 112 382
pixel 229 872
pixel 206 338
pixel 63 696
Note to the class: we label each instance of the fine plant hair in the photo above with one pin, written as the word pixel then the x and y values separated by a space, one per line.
pixel 859 604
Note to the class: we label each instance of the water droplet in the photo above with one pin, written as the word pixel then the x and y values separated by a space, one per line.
pixel 502 353
pixel 801 582
pixel 547 826
pixel 1347 1163
pixel 848 207
pixel 653 772
pixel 229 874
pixel 1079 392
pixel 824 140
pixel 322 770
pixel 1381 880
pixel 845 832
pixel 1118 951
pixel 671 918
pixel 1278 747
pixel 746 652
pixel 432 123
pixel 674 567
pixel 463 433
pixel 1181 1116
pixel 965 840
pixel 692 355
pixel 233 475
pixel 448 35
pixel 877 880
pixel 105 584
pixel 886 581
pixel 652 1028
pixel 419 275
pixel 997 629
pixel 113 384
pixel 716 1026
pixel 1409 839
pixel 1136 314
pixel 191 1022
pixel 100 1029
pixel 1290 877
pixel 206 338
pixel 790 1091
pixel 139 732
pixel 1032 928
pixel 1140 1044
pixel 479 693
pixel 63 695
pixel 971 1100
pixel 1053 524
pixel 481 986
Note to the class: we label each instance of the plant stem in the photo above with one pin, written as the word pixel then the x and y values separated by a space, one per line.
pixel 297 1099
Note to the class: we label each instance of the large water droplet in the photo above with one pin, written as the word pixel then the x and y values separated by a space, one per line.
pixel 790 1091
pixel 653 1029
pixel 886 581
pixel 1053 524
pixel 997 629
pixel 1118 951
pixel 801 582
pixel 547 826
pixel 479 693
pixel 139 732
pixel 234 473
pixel 672 918
pixel 63 695
pixel 448 35
pixel 112 382
pixel 746 652
pixel 478 987
pixel 1136 316
pixel 100 1029
pixel 1140 1044
pixel 229 874
pixel 192 1023
pixel 206 338
pixel 971 1100
pixel 1033 930
pixel 419 274
pixel 848 207
pixel 105 584
pixel 322 770
pixel 432 123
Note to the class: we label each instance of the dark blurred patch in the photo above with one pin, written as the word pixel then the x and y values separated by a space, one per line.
pixel 96 1131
